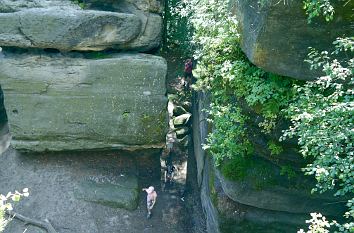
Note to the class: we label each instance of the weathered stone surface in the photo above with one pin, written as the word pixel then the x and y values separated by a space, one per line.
pixel 237 217
pixel 55 179
pixel 116 192
pixel 61 103
pixel 182 119
pixel 148 5
pixel 149 38
pixel 184 142
pixel 181 132
pixel 276 36
pixel 278 198
pixel 7 6
pixel 153 6
pixel 67 29
pixel 178 110
pixel 204 167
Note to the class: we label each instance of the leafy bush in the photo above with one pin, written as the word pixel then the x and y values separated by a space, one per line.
pixel 321 111
pixel 6 205
pixel 275 148
pixel 322 119
pixel 287 171
pixel 236 169
pixel 227 74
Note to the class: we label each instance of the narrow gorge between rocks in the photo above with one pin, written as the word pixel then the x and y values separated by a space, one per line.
pixel 96 102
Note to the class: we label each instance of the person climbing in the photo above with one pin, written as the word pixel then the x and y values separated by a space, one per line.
pixel 188 73
pixel 150 199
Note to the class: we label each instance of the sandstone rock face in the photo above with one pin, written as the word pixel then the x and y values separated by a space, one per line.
pixel 204 167
pixel 80 191
pixel 63 25
pixel 67 29
pixel 276 36
pixel 153 6
pixel 8 6
pixel 116 192
pixel 149 38
pixel 278 198
pixel 62 103
pixel 182 119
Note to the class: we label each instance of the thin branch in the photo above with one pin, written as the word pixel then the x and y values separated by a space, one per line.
pixel 45 225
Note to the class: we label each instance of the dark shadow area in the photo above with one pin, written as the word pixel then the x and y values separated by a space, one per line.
pixel 3 115
pixel 4 129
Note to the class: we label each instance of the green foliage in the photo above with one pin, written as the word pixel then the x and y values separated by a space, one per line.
pixel 6 205
pixel 236 169
pixel 318 224
pixel 258 173
pixel 227 74
pixel 287 171
pixel 178 29
pixel 80 3
pixel 98 55
pixel 275 148
pixel 321 111
pixel 315 8
pixel 229 138
pixel 322 119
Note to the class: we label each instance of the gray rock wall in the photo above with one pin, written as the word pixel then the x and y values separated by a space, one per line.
pixel 58 99
pixel 204 168
pixel 276 36
pixel 57 103
pixel 62 25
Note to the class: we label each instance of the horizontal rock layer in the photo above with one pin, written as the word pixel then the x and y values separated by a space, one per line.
pixel 278 198
pixel 61 103
pixel 153 6
pixel 64 26
pixel 276 36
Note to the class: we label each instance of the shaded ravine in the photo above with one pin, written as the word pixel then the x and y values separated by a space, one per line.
pixel 53 179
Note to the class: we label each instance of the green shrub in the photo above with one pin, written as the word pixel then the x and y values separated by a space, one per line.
pixel 6 203
pixel 236 169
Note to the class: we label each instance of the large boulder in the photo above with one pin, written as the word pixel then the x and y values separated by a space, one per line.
pixel 279 198
pixel 63 103
pixel 182 119
pixel 63 25
pixel 67 29
pixel 153 6
pixel 7 6
pixel 149 38
pixel 276 36
pixel 116 192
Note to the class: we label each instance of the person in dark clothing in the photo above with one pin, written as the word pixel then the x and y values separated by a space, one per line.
pixel 188 73
pixel 169 172
pixel 170 169
pixel 188 69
